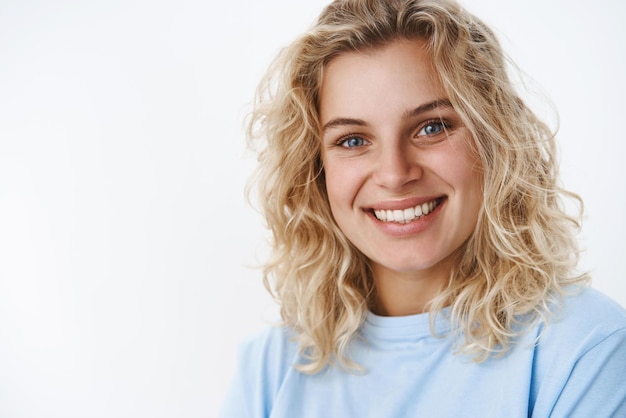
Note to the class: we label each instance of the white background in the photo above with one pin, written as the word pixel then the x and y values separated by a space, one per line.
pixel 126 245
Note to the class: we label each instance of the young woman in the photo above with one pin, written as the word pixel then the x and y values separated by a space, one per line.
pixel 423 261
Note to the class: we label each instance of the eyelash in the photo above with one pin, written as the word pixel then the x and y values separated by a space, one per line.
pixel 445 126
pixel 344 139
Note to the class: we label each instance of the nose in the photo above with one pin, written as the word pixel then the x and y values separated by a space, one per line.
pixel 397 165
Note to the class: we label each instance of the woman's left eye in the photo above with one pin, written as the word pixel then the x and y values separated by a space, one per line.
pixel 433 128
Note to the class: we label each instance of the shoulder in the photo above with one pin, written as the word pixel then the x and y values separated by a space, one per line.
pixel 580 322
pixel 591 303
pixel 274 346
pixel 580 353
pixel 586 312
pixel 264 360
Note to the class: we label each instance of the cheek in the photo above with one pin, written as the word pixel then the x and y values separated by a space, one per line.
pixel 463 173
pixel 342 185
pixel 335 186
pixel 470 187
pixel 463 166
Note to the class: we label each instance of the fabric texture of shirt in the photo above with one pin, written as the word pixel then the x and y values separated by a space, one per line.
pixel 576 369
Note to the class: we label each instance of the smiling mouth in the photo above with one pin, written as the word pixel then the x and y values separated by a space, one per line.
pixel 403 216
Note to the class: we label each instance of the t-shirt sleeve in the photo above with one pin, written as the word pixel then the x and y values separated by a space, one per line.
pixel 596 386
pixel 235 404
pixel 246 392
pixel 262 363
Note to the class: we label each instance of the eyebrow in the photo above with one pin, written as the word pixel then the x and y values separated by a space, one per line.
pixel 426 107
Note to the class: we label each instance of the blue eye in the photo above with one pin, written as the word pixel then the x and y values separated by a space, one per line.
pixel 433 128
pixel 352 142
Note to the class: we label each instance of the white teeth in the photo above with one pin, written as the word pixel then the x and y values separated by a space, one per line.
pixel 406 215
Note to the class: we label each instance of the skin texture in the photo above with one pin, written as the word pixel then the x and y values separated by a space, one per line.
pixel 391 140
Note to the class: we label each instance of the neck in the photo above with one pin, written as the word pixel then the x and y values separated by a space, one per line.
pixel 406 293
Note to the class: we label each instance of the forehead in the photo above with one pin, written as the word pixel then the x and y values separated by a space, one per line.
pixel 396 74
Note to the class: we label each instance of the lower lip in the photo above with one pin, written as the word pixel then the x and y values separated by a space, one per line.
pixel 416 226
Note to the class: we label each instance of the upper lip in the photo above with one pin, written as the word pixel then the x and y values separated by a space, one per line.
pixel 403 203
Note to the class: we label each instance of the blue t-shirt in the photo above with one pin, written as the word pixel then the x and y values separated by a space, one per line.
pixel 577 369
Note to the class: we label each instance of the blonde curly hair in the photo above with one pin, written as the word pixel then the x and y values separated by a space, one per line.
pixel 523 252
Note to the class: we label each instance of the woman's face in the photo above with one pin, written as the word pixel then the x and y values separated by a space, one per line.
pixel 401 181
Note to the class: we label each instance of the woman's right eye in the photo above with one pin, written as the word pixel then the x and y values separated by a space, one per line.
pixel 352 142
